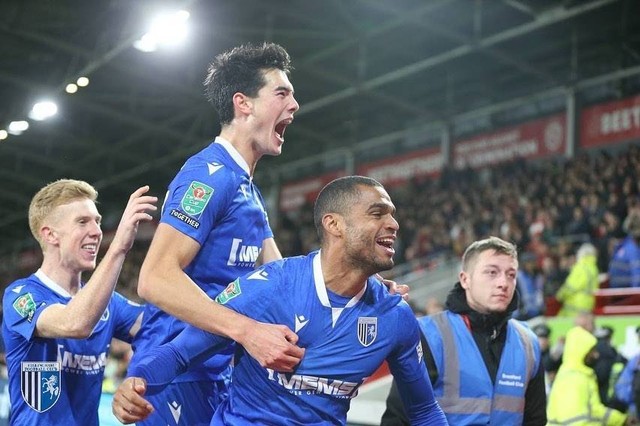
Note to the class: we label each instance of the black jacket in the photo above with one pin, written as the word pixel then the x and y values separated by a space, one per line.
pixel 489 333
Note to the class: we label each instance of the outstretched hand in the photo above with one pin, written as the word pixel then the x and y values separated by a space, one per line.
pixel 273 346
pixel 395 288
pixel 128 404
pixel 136 211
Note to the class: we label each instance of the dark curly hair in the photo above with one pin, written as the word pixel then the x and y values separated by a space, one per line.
pixel 241 69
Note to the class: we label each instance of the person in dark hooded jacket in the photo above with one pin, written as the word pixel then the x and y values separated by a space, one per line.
pixel 484 366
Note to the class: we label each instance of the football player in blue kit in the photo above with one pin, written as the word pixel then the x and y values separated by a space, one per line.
pixel 345 319
pixel 57 329
pixel 213 229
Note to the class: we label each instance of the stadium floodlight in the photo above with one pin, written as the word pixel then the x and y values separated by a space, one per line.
pixel 169 29
pixel 71 88
pixel 43 110
pixel 17 127
pixel 3 134
pixel 82 81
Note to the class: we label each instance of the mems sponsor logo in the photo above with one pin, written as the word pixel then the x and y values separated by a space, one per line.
pixel 242 255
pixel 80 363
pixel 300 384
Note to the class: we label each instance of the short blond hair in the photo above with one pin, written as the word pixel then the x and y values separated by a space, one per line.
pixel 60 192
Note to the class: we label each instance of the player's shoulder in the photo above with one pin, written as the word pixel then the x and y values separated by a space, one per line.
pixel 289 266
pixel 378 294
pixel 210 164
pixel 21 287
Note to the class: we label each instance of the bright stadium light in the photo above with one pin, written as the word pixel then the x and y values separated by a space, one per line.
pixel 82 82
pixel 43 110
pixel 17 127
pixel 3 134
pixel 166 30
pixel 71 88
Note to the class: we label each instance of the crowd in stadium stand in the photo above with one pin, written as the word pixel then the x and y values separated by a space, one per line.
pixel 547 209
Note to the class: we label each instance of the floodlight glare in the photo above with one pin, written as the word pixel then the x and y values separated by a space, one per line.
pixel 3 134
pixel 146 44
pixel 166 30
pixel 71 88
pixel 17 127
pixel 43 110
pixel 82 82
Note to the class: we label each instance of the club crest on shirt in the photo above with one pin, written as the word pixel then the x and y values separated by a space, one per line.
pixel 232 290
pixel 367 330
pixel 196 198
pixel 25 306
pixel 40 384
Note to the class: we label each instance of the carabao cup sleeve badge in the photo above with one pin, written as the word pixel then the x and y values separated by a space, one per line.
pixel 196 198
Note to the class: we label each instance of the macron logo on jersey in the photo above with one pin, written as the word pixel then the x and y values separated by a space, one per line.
pixel 214 167
pixel 259 275
pixel 17 289
pixel 241 255
pixel 176 410
pixel 300 322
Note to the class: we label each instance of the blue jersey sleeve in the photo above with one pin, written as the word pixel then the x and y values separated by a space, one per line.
pixel 164 363
pixel 407 366
pixel 196 199
pixel 22 305
pixel 252 294
pixel 126 313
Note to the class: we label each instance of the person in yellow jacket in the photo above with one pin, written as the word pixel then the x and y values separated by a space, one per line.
pixel 574 398
pixel 577 292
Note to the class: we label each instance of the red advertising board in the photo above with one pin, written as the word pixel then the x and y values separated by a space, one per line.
pixel 293 195
pixel 610 123
pixel 535 139
pixel 400 169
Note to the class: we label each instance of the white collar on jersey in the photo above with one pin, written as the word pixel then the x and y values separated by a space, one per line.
pixel 51 284
pixel 233 152
pixel 321 291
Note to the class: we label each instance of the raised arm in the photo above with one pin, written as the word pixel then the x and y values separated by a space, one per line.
pixel 78 318
pixel 269 252
pixel 164 283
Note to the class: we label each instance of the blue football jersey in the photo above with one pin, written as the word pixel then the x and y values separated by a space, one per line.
pixel 214 201
pixel 56 381
pixel 345 341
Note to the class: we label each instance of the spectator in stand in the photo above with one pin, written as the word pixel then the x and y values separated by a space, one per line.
pixel 551 358
pixel 577 292
pixel 530 287
pixel 626 394
pixel 624 268
pixel 608 357
pixel 433 306
pixel 574 397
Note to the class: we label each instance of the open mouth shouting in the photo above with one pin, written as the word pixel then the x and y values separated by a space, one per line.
pixel 281 127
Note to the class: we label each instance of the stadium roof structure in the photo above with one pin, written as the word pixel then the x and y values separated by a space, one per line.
pixel 363 68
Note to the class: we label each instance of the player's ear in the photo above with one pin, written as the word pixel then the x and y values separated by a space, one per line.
pixel 48 235
pixel 242 103
pixel 332 224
